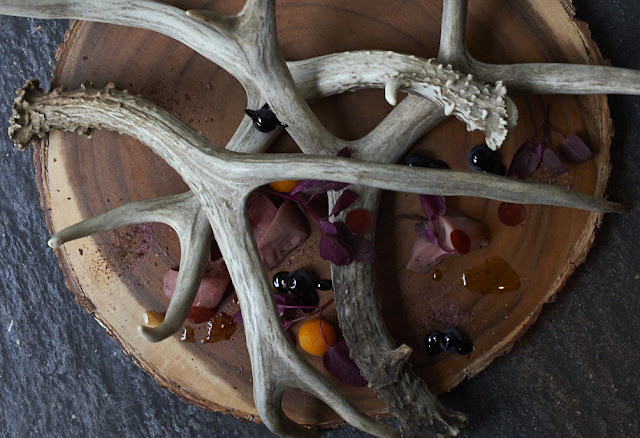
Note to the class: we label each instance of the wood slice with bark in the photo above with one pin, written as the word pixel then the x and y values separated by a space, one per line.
pixel 118 275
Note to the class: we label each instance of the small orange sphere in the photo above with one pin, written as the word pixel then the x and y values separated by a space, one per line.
pixel 283 186
pixel 310 337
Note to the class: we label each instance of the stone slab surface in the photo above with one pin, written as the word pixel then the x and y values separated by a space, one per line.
pixel 574 374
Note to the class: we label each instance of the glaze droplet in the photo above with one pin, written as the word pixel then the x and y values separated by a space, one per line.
pixel 494 276
pixel 221 327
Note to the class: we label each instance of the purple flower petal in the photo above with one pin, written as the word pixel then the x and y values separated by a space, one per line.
pixel 339 363
pixel 574 150
pixel 332 250
pixel 345 200
pixel 327 227
pixel 359 248
pixel 551 161
pixel 362 250
pixel 432 205
pixel 525 161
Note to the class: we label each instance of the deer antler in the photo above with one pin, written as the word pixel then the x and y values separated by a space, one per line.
pixel 246 46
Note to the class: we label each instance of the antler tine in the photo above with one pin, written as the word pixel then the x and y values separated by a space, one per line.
pixel 167 210
pixel 532 78
pixel 453 48
pixel 551 78
pixel 195 247
pixel 145 14
pixel 185 215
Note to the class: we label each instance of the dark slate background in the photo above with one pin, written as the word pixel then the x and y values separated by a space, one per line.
pixel 574 374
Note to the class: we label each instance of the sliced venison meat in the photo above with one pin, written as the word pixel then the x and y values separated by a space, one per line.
pixel 212 286
pixel 288 229
pixel 261 213
pixel 277 232
pixel 425 255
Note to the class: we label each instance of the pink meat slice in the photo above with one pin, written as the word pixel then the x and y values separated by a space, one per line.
pixel 287 230
pixel 277 232
pixel 425 255
pixel 261 213
pixel 212 286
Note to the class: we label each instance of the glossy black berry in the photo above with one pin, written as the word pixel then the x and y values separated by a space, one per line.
pixel 324 285
pixel 465 347
pixel 482 158
pixel 300 281
pixel 280 281
pixel 449 340
pixel 308 298
pixel 264 120
pixel 432 343
pixel 419 160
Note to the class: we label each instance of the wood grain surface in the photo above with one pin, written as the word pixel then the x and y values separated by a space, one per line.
pixel 118 275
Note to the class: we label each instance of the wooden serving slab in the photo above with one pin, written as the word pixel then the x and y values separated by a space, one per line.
pixel 118 276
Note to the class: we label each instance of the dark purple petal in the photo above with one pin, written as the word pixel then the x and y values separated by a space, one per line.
pixel 327 227
pixel 551 161
pixel 525 161
pixel 237 317
pixel 344 153
pixel 332 250
pixel 574 150
pixel 308 186
pixel 359 248
pixel 338 362
pixel 432 205
pixel 362 250
pixel 345 200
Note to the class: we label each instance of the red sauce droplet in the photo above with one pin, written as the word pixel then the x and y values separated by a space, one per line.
pixel 198 315
pixel 437 274
pixel 511 214
pixel 358 221
pixel 188 334
pixel 494 276
pixel 220 328
pixel 460 241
